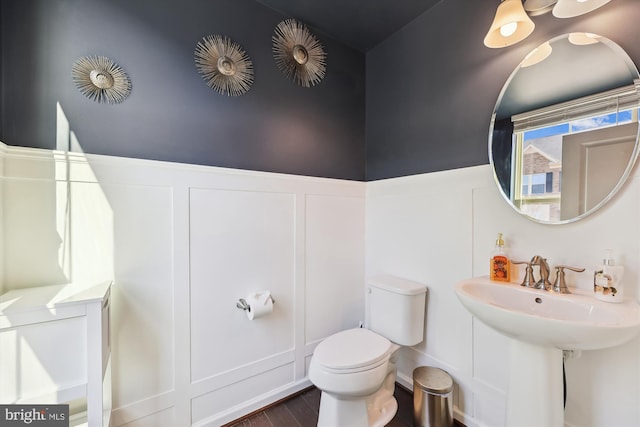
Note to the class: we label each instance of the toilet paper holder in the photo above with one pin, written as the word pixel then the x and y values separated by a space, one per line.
pixel 242 303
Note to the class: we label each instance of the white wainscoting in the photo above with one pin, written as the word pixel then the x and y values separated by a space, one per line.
pixel 440 228
pixel 183 243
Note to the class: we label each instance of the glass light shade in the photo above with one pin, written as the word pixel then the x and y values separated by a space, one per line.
pixel 571 8
pixel 509 12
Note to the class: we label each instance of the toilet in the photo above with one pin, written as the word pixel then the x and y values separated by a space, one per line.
pixel 356 369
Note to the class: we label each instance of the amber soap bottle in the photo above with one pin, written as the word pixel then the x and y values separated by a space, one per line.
pixel 500 266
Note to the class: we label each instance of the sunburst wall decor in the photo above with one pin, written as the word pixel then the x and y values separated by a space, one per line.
pixel 224 65
pixel 101 79
pixel 298 53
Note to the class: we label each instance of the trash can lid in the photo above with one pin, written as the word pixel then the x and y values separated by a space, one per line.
pixel 433 380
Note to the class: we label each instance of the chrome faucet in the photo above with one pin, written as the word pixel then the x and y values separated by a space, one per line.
pixel 559 285
pixel 544 282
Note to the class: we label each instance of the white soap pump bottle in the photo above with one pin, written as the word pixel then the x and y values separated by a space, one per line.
pixel 607 280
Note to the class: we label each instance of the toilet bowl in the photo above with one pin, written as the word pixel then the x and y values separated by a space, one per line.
pixel 355 370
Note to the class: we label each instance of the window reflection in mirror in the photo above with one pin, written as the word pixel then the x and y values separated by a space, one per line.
pixel 538 163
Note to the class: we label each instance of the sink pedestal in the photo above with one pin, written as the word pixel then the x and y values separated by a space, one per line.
pixel 535 389
pixel 540 323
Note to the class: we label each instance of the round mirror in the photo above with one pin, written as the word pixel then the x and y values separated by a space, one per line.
pixel 564 132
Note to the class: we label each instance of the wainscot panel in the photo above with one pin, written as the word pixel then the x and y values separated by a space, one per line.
pixel 183 243
pixel 440 227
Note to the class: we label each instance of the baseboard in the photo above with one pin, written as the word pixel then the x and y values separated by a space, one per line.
pixel 258 404
pixel 143 408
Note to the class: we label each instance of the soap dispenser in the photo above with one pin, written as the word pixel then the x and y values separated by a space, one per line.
pixel 607 280
pixel 499 265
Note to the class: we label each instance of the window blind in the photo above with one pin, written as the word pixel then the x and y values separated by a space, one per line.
pixel 620 99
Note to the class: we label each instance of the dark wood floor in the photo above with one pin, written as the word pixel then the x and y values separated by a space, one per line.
pixel 302 411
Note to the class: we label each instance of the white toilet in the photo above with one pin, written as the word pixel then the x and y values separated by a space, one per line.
pixel 356 369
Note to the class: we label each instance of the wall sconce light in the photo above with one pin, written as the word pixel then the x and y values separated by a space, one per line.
pixel 571 8
pixel 538 7
pixel 512 23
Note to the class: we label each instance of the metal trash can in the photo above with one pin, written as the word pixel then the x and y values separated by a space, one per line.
pixel 432 403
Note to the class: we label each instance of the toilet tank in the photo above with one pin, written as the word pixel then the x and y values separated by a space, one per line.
pixel 397 308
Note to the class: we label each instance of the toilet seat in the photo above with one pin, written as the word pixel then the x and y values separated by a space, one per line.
pixel 353 350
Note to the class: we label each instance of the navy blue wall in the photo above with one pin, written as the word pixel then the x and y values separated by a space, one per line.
pixel 432 86
pixel 430 91
pixel 171 113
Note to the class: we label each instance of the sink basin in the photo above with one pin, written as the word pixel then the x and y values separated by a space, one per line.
pixel 542 324
pixel 564 321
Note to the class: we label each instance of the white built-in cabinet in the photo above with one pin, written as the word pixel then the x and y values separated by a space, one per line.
pixel 55 348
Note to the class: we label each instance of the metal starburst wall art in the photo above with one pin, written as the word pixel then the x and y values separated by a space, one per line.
pixel 100 79
pixel 224 65
pixel 298 53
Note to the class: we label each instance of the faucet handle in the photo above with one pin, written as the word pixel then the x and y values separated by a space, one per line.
pixel 529 281
pixel 576 269
pixel 559 285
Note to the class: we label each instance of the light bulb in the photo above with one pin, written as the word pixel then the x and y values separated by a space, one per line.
pixel 508 29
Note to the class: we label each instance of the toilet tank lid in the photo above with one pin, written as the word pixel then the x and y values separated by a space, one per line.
pixel 397 285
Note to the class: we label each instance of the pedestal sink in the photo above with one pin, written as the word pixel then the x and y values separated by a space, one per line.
pixel 541 325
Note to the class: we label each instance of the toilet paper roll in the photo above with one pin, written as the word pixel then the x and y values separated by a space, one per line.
pixel 260 304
